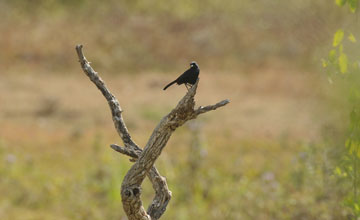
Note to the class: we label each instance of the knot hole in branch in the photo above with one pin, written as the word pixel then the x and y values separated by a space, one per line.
pixel 132 192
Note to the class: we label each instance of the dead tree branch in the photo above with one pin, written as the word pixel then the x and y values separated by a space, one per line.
pixel 145 159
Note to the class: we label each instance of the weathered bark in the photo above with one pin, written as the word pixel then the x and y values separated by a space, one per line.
pixel 145 159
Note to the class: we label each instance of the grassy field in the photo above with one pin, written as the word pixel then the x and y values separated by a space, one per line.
pixel 269 154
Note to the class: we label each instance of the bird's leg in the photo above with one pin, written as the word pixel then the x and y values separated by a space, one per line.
pixel 186 86
pixel 190 85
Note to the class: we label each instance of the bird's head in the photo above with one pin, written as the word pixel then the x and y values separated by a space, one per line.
pixel 193 64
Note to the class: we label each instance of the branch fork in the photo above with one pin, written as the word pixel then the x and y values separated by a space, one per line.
pixel 144 159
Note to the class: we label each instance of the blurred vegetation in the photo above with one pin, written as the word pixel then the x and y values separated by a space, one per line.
pixel 162 35
pixel 343 67
pixel 277 153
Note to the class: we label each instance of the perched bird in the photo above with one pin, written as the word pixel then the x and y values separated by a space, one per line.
pixel 188 78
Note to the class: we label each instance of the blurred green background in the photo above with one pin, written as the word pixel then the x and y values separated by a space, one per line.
pixel 270 154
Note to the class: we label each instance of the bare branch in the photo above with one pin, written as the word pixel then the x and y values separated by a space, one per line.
pixel 125 151
pixel 110 98
pixel 145 159
pixel 162 193
pixel 202 110
pixel 183 112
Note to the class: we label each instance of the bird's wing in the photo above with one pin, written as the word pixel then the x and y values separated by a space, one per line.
pixel 182 78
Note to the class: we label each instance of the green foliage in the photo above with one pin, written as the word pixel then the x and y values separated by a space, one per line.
pixel 338 37
pixel 353 4
pixel 340 2
pixel 343 63
pixel 352 38
pixel 338 61
pixel 81 180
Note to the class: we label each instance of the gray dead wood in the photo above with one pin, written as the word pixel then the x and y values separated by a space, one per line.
pixel 145 159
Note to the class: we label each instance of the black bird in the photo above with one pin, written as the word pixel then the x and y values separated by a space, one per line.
pixel 189 77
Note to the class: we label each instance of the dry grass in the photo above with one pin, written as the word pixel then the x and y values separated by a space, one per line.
pixel 267 103
pixel 55 124
pixel 267 155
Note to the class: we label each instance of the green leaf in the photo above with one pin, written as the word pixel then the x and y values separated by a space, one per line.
pixel 338 37
pixel 353 5
pixel 338 171
pixel 343 63
pixel 340 2
pixel 351 148
pixel 356 206
pixel 352 38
